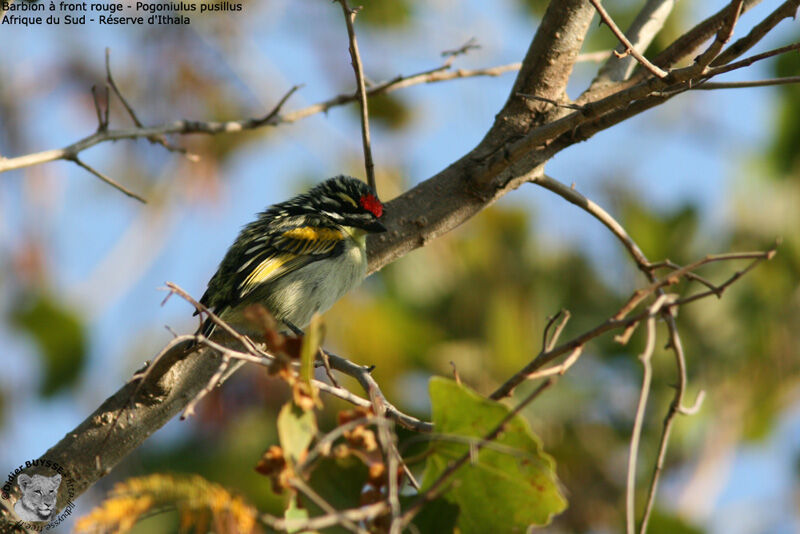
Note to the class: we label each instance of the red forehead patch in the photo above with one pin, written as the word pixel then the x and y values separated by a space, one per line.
pixel 371 204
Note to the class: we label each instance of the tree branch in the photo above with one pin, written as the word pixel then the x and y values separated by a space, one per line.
pixel 786 10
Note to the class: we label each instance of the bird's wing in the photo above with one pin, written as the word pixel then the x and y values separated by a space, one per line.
pixel 276 250
pixel 285 251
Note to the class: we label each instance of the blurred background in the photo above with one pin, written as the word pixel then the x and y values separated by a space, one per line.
pixel 710 171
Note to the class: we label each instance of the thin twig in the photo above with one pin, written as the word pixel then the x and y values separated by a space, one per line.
pixel 675 276
pixel 724 34
pixel 648 23
pixel 358 69
pixel 155 139
pixel 324 521
pixel 708 86
pixel 675 408
pixel 110 181
pixel 362 375
pixel 557 369
pixel 566 105
pixel 102 121
pixel 545 335
pixel 183 127
pixel 614 323
pixel 596 211
pixel 689 276
pixel 344 520
pixel 786 10
pixel 636 434
pixel 471 44
pixel 276 109
pixel 746 62
pixel 631 49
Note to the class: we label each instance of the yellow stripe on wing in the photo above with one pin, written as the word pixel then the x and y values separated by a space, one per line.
pixel 264 271
pixel 309 240
pixel 295 248
pixel 313 233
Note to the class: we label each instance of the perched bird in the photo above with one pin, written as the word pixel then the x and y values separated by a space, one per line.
pixel 298 257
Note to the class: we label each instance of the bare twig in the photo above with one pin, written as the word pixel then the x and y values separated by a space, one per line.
pixel 362 375
pixel 618 322
pixel 102 116
pixel 724 34
pixel 642 31
pixel 746 62
pixel 344 519
pixel 786 10
pixel 547 342
pixel 227 355
pixel 353 515
pixel 708 86
pixel 676 275
pixel 596 211
pixel 273 118
pixel 350 17
pixel 557 369
pixel 630 48
pixel 155 139
pixel 689 42
pixel 203 310
pixel 110 181
pixel 675 408
pixel 471 44
pixel 567 105
pixel 636 434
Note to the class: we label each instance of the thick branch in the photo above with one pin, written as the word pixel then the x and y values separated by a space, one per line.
pixel 546 69
pixel 95 446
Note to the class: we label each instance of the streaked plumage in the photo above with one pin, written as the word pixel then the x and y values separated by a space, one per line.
pixel 299 256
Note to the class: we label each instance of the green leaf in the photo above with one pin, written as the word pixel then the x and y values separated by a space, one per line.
pixel 294 512
pixel 308 352
pixel 296 429
pixel 511 484
pixel 60 336
pixel 438 515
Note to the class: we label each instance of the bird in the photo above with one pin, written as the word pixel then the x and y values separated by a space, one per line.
pixel 297 258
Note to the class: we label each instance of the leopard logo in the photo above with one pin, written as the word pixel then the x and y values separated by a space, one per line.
pixel 38 501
